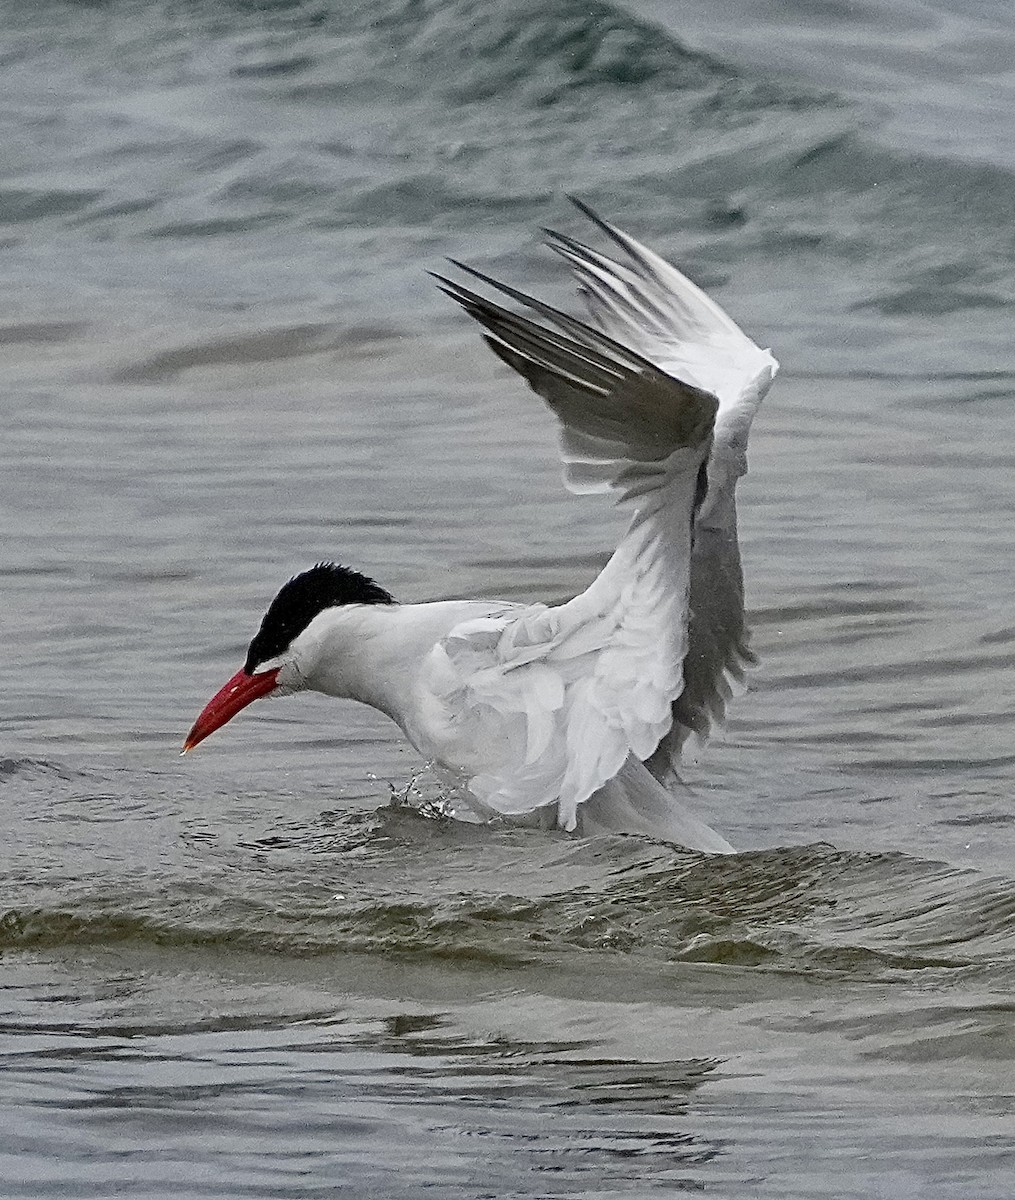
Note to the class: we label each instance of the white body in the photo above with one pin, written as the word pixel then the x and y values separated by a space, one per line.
pixel 579 711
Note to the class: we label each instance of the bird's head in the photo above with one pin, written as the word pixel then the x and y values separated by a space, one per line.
pixel 284 652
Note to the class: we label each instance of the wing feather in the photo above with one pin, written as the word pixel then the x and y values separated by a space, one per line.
pixel 553 702
pixel 651 306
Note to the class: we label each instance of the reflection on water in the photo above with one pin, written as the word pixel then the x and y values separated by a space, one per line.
pixel 399 1094
pixel 457 1106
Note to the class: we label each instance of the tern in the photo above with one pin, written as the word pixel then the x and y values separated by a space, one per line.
pixel 574 714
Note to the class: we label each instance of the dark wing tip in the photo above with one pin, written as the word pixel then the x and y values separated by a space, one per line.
pixel 588 211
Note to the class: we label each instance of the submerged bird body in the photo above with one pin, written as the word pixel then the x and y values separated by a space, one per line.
pixel 574 713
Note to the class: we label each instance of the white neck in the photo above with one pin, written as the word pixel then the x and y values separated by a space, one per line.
pixel 373 652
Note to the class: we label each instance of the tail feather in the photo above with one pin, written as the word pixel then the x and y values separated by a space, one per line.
pixel 635 802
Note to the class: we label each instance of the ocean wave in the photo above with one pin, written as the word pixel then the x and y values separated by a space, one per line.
pixel 416 116
pixel 811 911
pixel 547 52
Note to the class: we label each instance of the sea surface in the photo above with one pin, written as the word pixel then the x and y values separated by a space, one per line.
pixel 268 970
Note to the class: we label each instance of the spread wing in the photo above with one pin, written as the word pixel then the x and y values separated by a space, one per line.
pixel 655 402
pixel 651 307
pixel 545 706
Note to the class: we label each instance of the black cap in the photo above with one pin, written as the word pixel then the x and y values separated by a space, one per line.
pixel 327 585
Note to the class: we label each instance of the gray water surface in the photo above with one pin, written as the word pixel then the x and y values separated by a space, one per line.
pixel 264 970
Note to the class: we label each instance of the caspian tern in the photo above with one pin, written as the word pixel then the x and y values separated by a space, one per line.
pixel 575 713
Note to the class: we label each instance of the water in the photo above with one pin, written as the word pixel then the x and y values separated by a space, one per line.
pixel 248 973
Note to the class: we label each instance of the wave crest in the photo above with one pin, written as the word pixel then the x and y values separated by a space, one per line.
pixel 548 51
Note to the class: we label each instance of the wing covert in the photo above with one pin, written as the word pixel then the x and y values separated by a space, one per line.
pixel 651 306
pixel 655 400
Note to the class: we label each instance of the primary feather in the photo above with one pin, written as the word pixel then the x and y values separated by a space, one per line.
pixel 655 401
